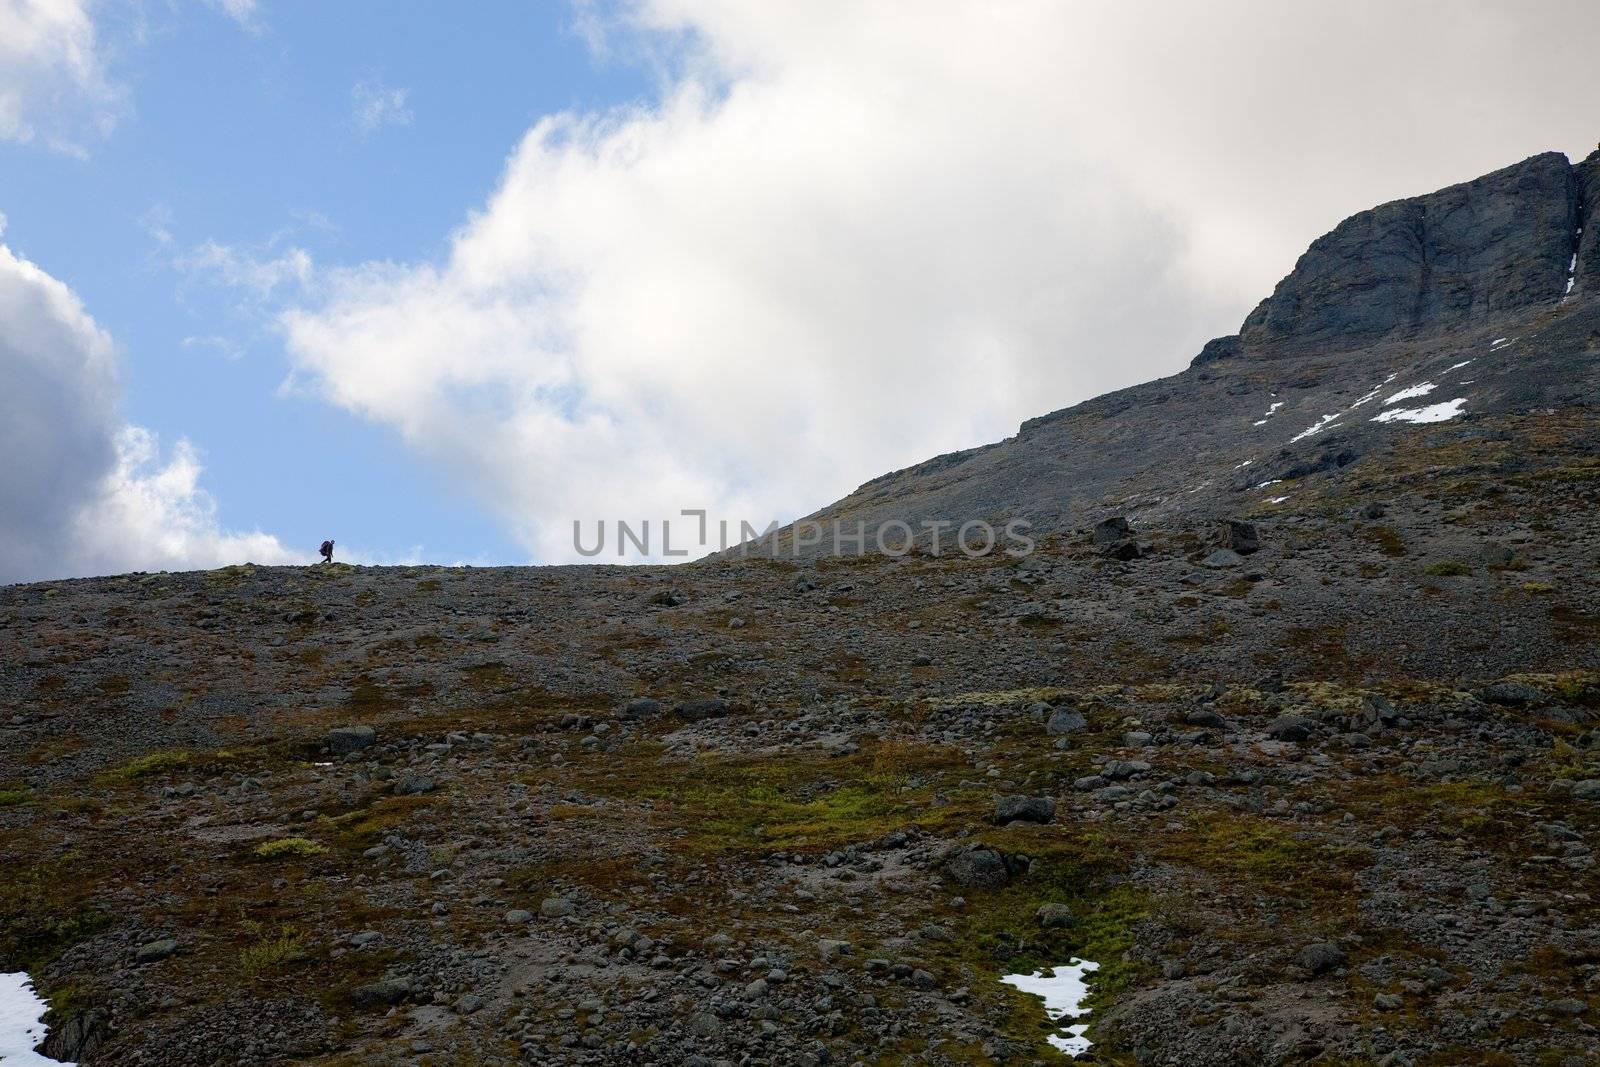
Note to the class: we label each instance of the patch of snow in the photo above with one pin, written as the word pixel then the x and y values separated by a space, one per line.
pixel 1413 392
pixel 1457 366
pixel 1270 412
pixel 1246 463
pixel 1433 413
pixel 1064 990
pixel 1321 424
pixel 1274 481
pixel 21 1023
pixel 1502 343
pixel 1277 500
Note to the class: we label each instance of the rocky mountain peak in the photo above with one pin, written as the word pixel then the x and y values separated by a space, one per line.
pixel 1508 241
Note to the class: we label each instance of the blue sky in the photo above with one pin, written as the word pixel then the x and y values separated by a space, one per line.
pixel 248 137
pixel 440 280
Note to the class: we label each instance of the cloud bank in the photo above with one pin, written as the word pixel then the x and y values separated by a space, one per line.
pixel 842 239
pixel 84 492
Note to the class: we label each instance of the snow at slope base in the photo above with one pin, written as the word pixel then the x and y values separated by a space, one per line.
pixel 21 1023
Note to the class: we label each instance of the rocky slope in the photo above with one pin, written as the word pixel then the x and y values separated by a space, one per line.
pixel 1484 294
pixel 1323 788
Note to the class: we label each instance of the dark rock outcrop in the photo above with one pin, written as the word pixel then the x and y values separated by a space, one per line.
pixel 1449 259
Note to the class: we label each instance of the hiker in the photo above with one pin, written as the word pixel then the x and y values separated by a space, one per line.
pixel 327 551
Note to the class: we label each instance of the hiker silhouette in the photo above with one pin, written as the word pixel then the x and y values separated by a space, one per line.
pixel 327 551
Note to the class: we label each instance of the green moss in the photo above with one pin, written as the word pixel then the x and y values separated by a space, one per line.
pixel 1447 568
pixel 10 798
pixel 270 953
pixel 289 846
pixel 150 766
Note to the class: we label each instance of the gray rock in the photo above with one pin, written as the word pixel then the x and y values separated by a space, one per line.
pixel 518 916
pixel 1586 789
pixel 978 867
pixel 83 1033
pixel 642 708
pixel 1111 531
pixel 556 907
pixel 705 708
pixel 343 740
pixel 1289 727
pixel 154 951
pixel 382 993
pixel 1065 721
pixel 1321 957
pixel 1511 695
pixel 413 785
pixel 1222 557
pixel 1053 916
pixel 1238 536
pixel 1008 809
pixel 1124 551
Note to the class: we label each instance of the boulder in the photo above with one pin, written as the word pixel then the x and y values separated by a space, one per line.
pixel 978 867
pixel 153 951
pixel 75 1039
pixel 1238 535
pixel 704 708
pixel 1289 727
pixel 1124 551
pixel 386 992
pixel 1065 721
pixel 1008 809
pixel 642 708
pixel 1320 957
pixel 556 907
pixel 1053 916
pixel 1112 530
pixel 343 740
pixel 1511 695
pixel 413 785
pixel 1222 557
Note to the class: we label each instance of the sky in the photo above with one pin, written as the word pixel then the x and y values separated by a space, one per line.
pixel 438 280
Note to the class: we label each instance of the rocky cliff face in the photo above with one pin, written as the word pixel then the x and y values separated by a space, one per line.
pixel 1459 257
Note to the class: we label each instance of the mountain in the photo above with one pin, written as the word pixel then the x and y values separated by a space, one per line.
pixel 1481 296
pixel 1293 756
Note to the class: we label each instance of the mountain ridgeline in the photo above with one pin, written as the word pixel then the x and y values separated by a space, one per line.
pixel 1482 293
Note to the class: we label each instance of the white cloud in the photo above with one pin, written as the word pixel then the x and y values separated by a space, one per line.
pixel 245 12
pixel 53 86
pixel 844 240
pixel 81 491
pixel 258 273
pixel 374 105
